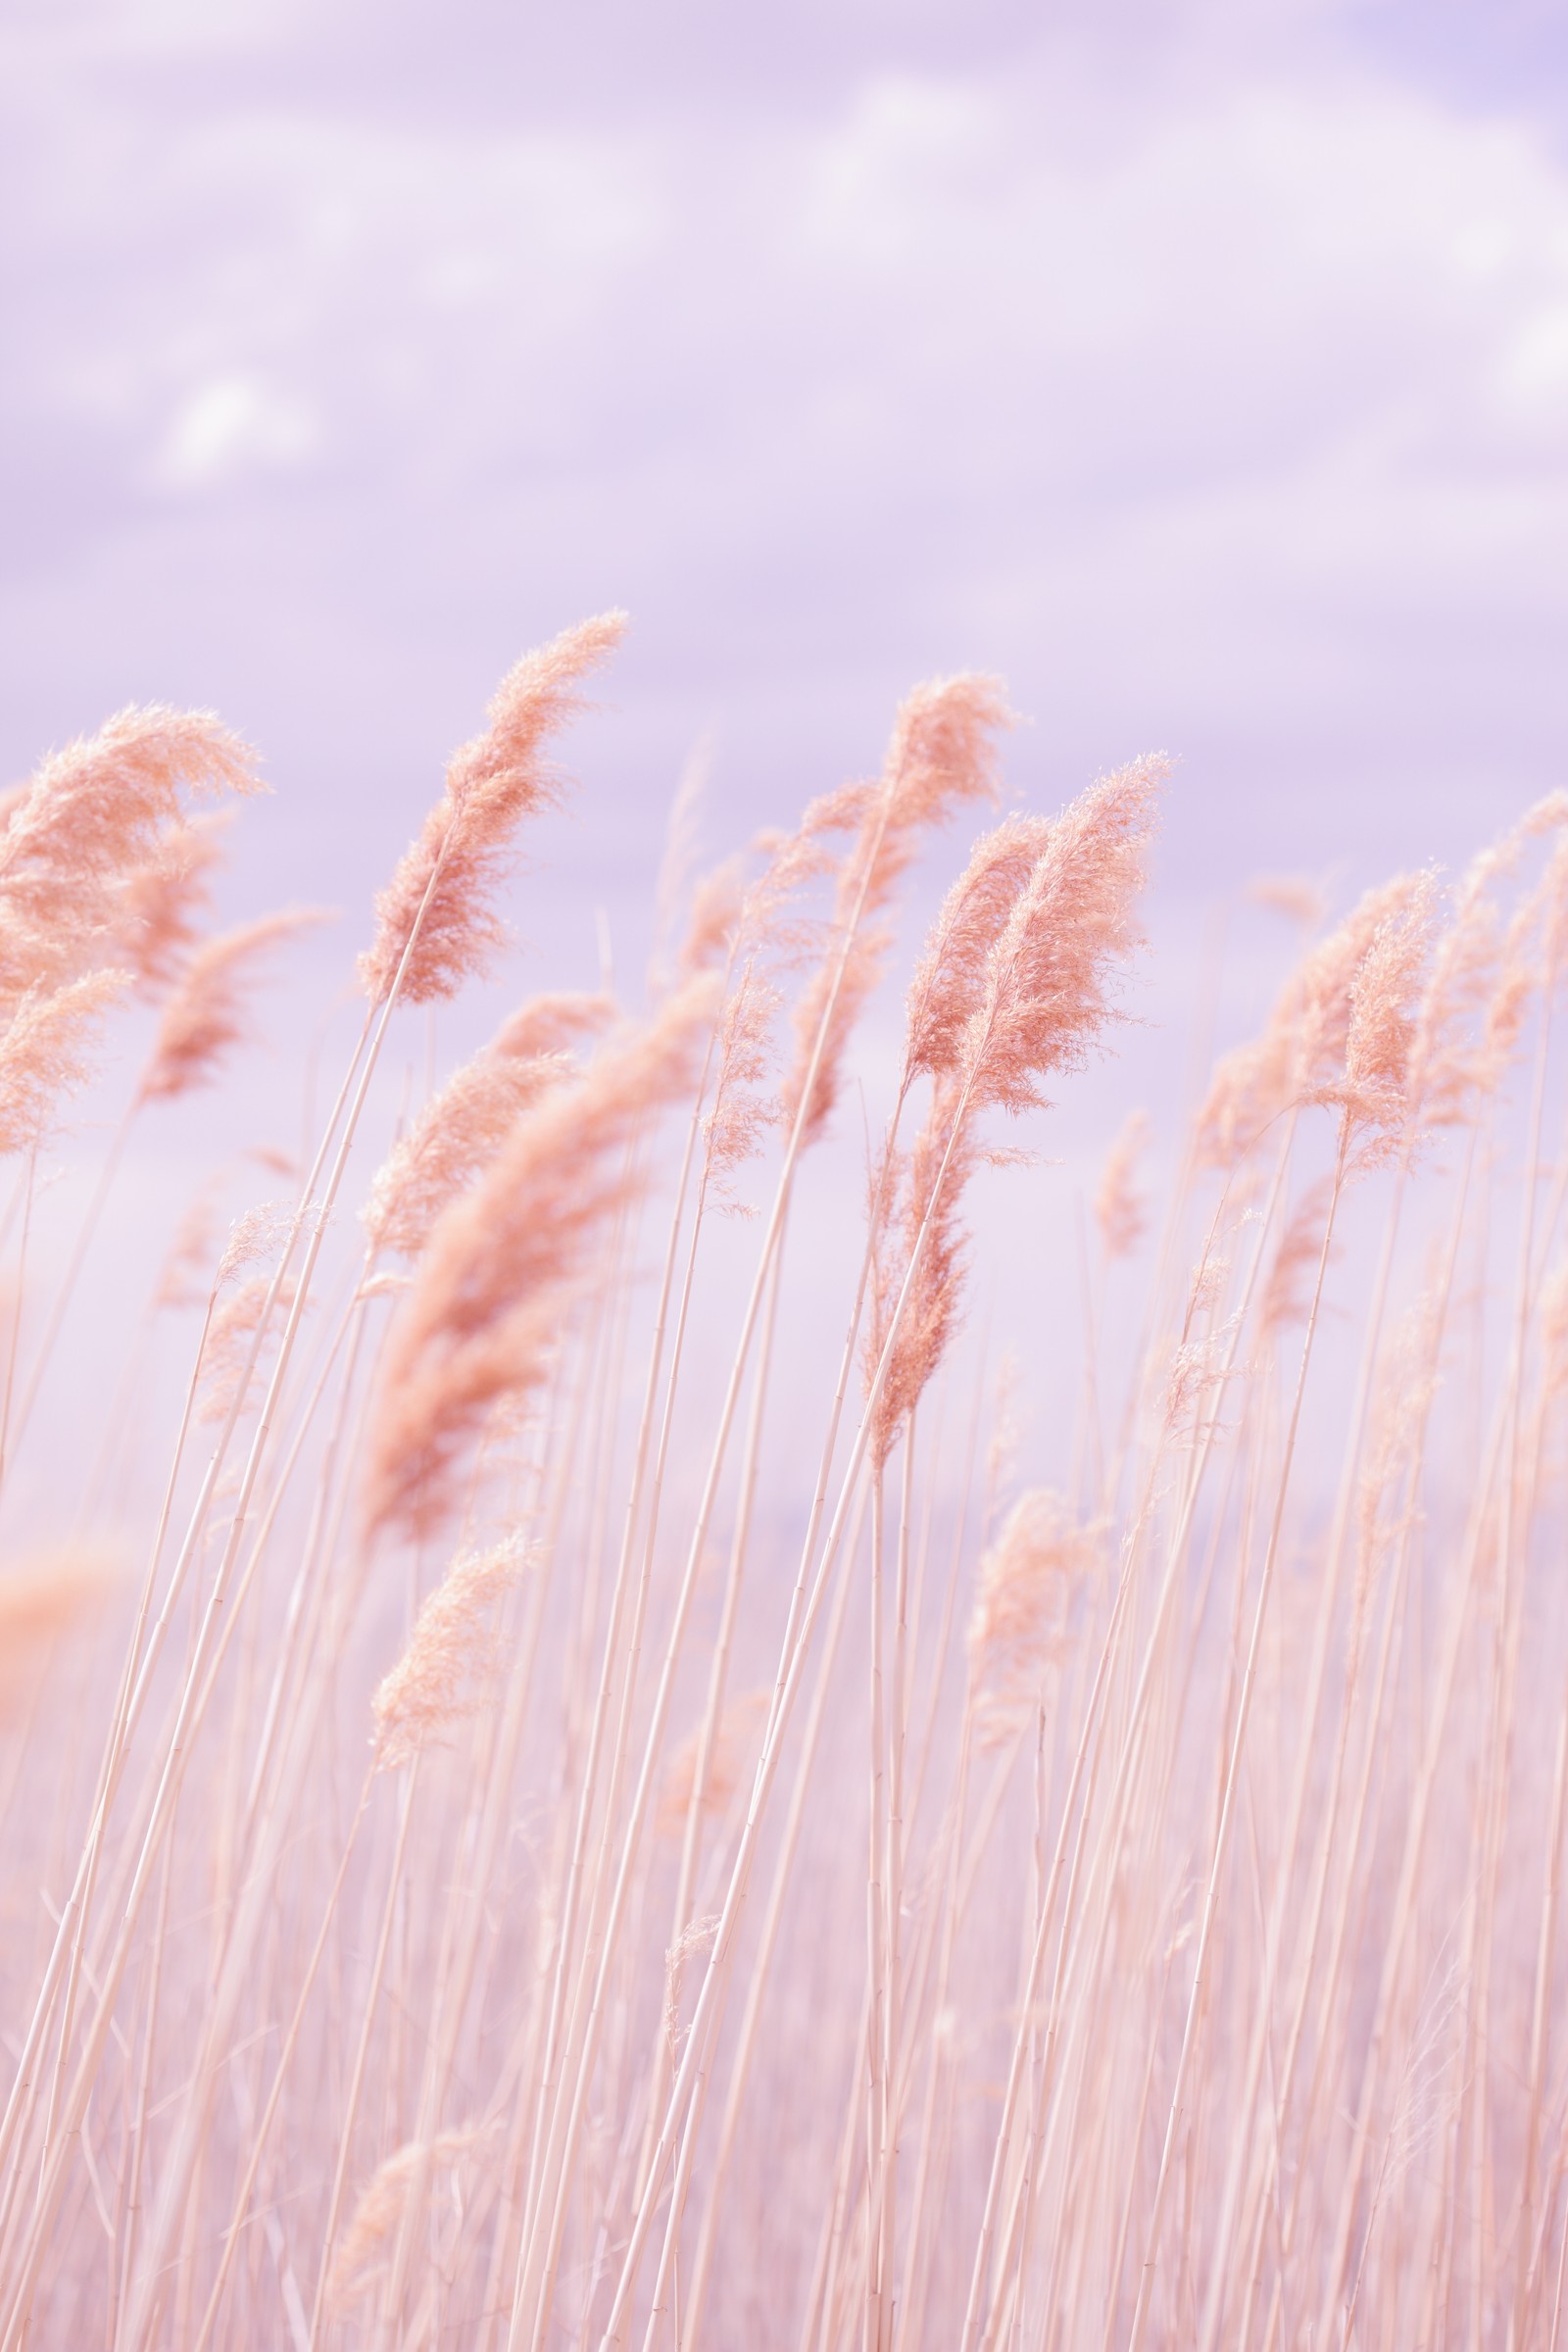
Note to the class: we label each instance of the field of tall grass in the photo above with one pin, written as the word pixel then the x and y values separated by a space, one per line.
pixel 614 1806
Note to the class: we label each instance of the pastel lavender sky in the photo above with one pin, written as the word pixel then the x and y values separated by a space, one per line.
pixel 1204 367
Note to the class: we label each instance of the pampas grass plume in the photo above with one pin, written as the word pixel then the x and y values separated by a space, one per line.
pixel 1029 1580
pixel 43 1598
pixel 205 1018
pixel 461 1129
pixel 1122 1210
pixel 942 756
pixel 445 885
pixel 46 1052
pixel 506 1257
pixel 440 1676
pixel 92 816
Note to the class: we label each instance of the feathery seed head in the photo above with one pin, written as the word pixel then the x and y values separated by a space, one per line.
pixel 1292 895
pixel 942 755
pixel 439 897
pixel 205 1018
pixel 42 1597
pixel 46 1049
pixel 949 979
pixel 732 1752
pixel 461 1129
pixel 1384 997
pixel 162 902
pixel 507 1257
pixel 934 1176
pixel 1302 1050
pixel 740 1112
pixel 382 2202
pixel 229 1353
pixel 1045 995
pixel 442 1675
pixel 1021 1624
pixel 90 817
pixel 1120 1209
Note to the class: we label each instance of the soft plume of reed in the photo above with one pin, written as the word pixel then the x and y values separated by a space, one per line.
pixel 91 817
pixel 44 1596
pixel 1049 986
pixel 1287 1293
pixel 1121 1209
pixel 949 978
pixel 442 894
pixel 379 2209
pixel 1299 1055
pixel 207 1015
pixel 1021 1623
pixel 1383 1004
pixel 942 756
pixel 1292 896
pixel 505 1259
pixel 732 1753
pixel 458 1131
pixel 451 1656
pixel 186 1275
pixel 229 1353
pixel 163 902
pixel 1018 984
pixel 742 1109
pixel 46 1051
pixel 919 1262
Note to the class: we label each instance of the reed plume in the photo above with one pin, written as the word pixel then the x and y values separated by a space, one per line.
pixel 43 1598
pixel 205 1018
pixel 256 1235
pixel 162 904
pixel 1049 985
pixel 741 1109
pixel 451 1656
pixel 949 978
pixel 717 909
pixel 366 2241
pixel 1122 1210
pixel 920 1258
pixel 1292 895
pixel 1028 1582
pixel 226 1352
pixel 1384 998
pixel 1288 1295
pixel 446 882
pixel 461 1129
pixel 506 1257
pixel 92 816
pixel 46 1052
pixel 1016 985
pixel 1302 1050
pixel 190 1265
pixel 694 1939
pixel 943 755
pixel 733 1751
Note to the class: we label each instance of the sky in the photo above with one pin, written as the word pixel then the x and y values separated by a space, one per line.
pixel 1202 369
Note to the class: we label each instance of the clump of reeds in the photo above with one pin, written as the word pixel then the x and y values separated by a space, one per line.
pixel 643 1796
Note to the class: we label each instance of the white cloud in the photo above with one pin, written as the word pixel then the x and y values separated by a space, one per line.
pixel 231 426
pixel 1534 369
